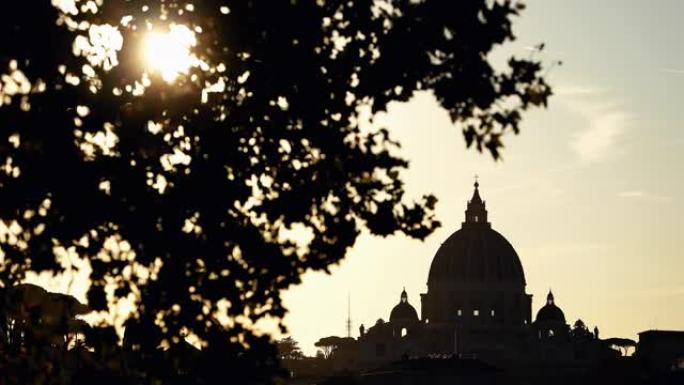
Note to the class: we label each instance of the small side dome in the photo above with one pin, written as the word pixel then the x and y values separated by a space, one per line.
pixel 404 311
pixel 550 312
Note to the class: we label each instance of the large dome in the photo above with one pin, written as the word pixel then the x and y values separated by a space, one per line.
pixel 476 254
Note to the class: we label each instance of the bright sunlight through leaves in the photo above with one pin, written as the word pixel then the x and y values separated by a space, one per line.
pixel 169 53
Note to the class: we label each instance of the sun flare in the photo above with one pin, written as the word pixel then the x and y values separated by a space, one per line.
pixel 168 53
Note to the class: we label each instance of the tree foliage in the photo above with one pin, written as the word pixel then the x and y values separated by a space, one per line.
pixel 288 349
pixel 622 344
pixel 329 345
pixel 202 198
pixel 36 331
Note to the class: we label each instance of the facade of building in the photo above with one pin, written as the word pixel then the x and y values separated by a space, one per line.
pixel 475 306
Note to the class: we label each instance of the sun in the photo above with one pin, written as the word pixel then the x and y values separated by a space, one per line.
pixel 169 53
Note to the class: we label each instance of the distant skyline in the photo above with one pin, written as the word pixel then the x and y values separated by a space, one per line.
pixel 589 194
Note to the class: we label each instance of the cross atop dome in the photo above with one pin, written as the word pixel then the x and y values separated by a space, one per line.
pixel 476 213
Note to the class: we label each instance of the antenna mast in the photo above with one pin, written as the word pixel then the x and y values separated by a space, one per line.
pixel 349 321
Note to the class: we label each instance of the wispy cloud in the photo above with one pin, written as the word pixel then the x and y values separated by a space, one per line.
pixel 672 71
pixel 606 122
pixel 644 195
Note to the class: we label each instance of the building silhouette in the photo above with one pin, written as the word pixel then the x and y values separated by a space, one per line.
pixel 662 350
pixel 476 306
pixel 550 321
pixel 476 300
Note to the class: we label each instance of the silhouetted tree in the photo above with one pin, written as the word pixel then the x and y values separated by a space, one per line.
pixel 326 350
pixel 204 198
pixel 580 330
pixel 39 334
pixel 621 344
pixel 32 316
pixel 288 349
pixel 328 345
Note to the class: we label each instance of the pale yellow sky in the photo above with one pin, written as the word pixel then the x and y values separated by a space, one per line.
pixel 590 194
